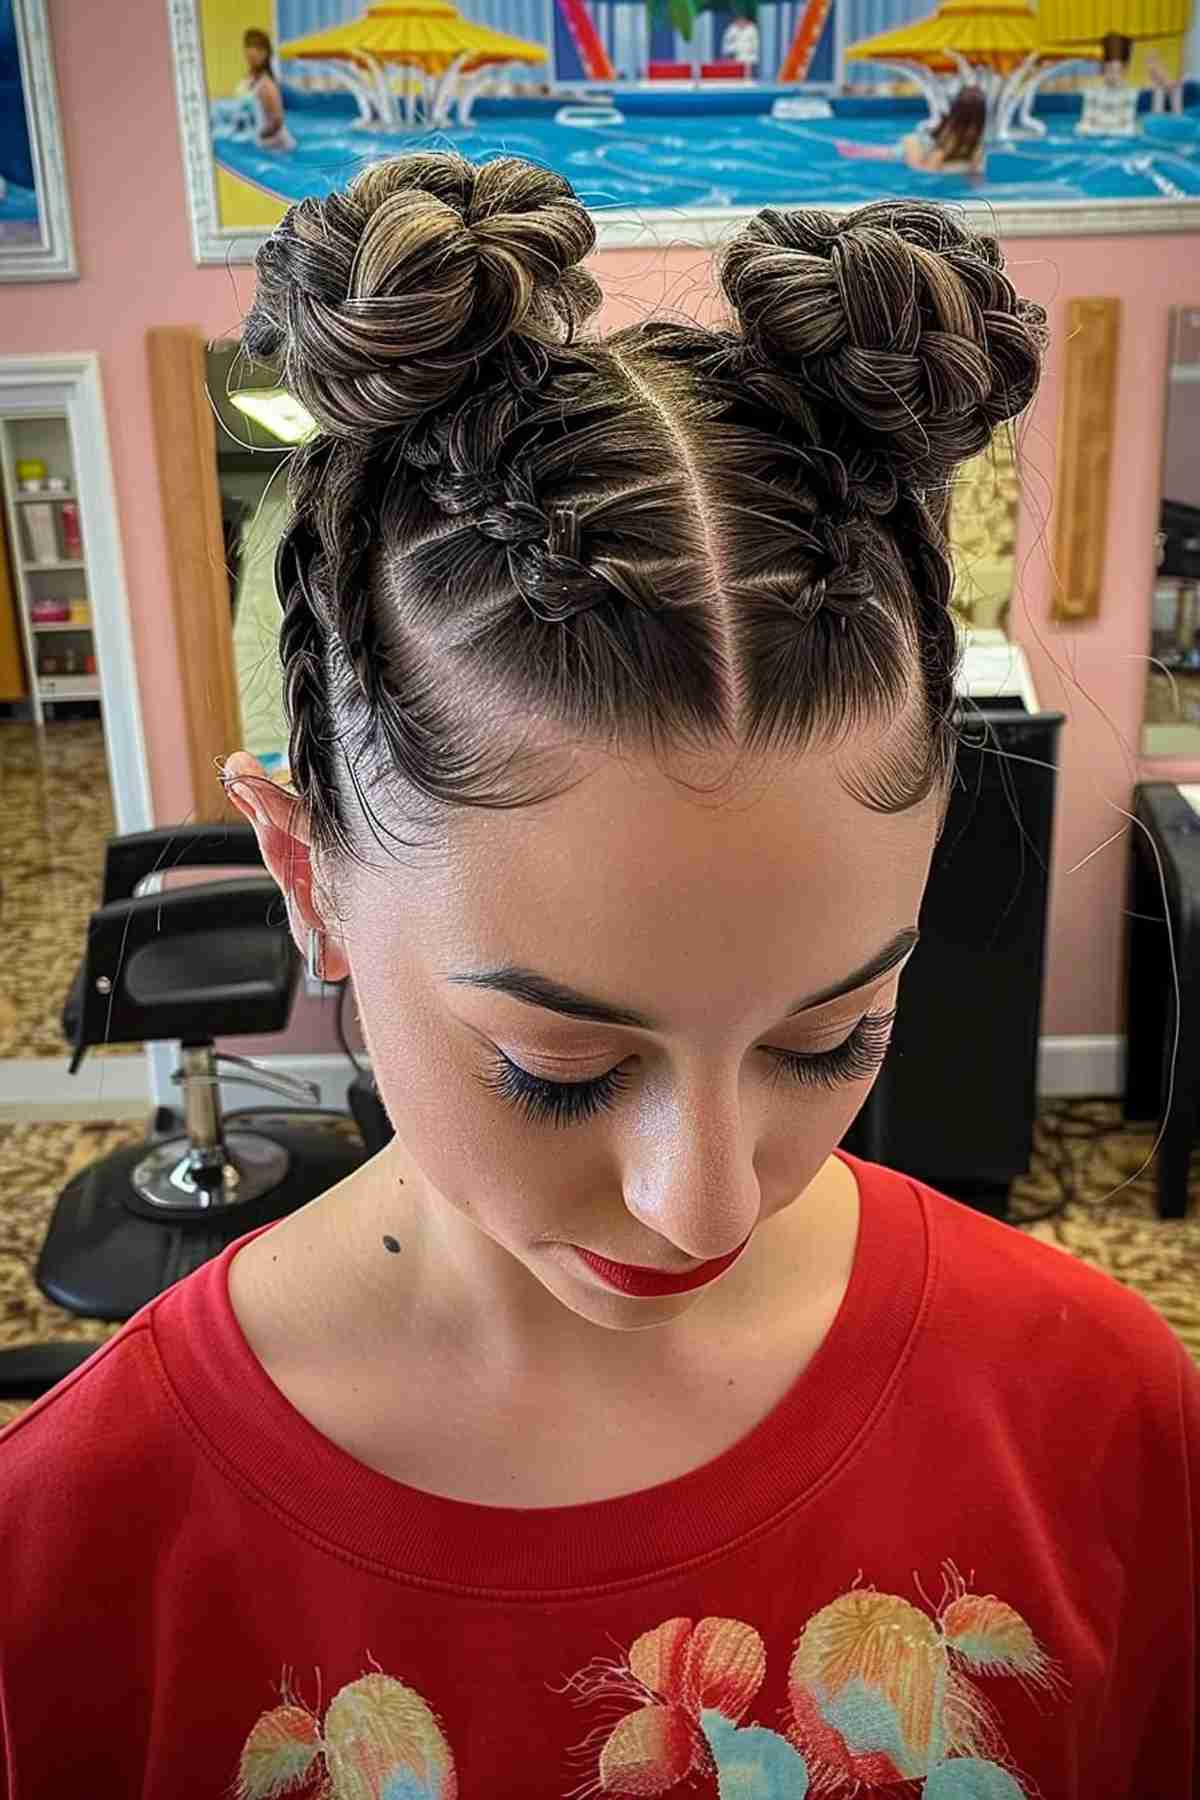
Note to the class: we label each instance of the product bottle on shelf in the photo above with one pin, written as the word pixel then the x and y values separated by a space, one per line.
pixel 72 537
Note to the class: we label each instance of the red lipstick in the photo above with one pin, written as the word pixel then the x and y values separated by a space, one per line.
pixel 646 1284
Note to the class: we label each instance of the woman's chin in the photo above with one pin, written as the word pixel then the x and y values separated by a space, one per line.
pixel 590 1298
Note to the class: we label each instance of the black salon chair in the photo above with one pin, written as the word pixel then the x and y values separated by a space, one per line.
pixel 193 963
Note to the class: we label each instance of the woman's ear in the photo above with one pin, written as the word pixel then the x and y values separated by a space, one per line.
pixel 281 826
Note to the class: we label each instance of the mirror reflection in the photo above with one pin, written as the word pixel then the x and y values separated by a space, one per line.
pixel 1172 718
pixel 983 535
pixel 256 427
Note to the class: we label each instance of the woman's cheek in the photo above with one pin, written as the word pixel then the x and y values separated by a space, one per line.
pixel 479 1154
pixel 806 1125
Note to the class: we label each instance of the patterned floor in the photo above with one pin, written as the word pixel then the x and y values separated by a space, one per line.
pixel 56 815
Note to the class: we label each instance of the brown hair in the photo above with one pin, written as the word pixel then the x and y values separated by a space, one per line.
pixel 958 134
pixel 727 537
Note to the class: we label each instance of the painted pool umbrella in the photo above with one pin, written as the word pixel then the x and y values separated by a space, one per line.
pixel 425 34
pixel 1088 21
pixel 1000 34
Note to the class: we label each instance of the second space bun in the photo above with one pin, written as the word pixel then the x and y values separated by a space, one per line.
pixel 895 317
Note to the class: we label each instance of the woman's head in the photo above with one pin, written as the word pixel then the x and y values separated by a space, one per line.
pixel 1116 52
pixel 626 661
pixel 256 46
pixel 959 133
pixel 726 538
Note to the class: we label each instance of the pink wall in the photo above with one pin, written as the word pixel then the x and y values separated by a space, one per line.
pixel 137 271
pixel 1096 673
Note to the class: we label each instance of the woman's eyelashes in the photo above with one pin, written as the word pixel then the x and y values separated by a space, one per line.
pixel 566 1102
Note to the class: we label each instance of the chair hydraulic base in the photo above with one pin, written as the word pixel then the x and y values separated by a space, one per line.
pixel 110 1250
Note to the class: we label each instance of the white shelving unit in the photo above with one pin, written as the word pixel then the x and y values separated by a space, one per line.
pixel 57 651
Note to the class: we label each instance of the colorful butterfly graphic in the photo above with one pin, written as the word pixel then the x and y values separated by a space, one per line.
pixel 878 1695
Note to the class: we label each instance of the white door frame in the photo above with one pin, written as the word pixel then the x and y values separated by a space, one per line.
pixel 71 384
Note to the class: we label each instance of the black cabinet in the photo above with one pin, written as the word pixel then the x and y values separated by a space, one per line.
pixel 1162 1026
pixel 955 1102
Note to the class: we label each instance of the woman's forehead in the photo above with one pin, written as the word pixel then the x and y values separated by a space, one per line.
pixel 635 886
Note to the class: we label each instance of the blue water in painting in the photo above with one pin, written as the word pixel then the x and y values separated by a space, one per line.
pixel 18 205
pixel 716 159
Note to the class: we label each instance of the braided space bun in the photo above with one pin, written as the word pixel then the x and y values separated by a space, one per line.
pixel 378 303
pixel 893 322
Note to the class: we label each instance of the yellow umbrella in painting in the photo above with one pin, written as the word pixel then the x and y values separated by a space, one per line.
pixel 1002 33
pixel 426 34
pixel 1089 21
pixel 999 34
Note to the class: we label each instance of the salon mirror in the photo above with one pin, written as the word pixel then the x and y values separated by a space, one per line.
pixel 257 425
pixel 983 533
pixel 1171 725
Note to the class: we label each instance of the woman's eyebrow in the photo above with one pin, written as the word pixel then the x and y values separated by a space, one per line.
pixel 541 990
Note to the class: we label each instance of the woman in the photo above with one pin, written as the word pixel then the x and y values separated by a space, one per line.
pixel 611 1432
pixel 1110 105
pixel 260 83
pixel 740 42
pixel 954 146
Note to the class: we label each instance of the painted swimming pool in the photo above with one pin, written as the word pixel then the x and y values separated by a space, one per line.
pixel 674 160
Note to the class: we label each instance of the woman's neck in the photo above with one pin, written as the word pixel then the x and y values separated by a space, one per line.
pixel 450 1293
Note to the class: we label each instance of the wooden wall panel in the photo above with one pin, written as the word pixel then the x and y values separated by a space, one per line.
pixel 185 441
pixel 1084 460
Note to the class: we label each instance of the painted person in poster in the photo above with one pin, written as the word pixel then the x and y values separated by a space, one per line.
pixel 954 146
pixel 260 84
pixel 1110 105
pixel 740 42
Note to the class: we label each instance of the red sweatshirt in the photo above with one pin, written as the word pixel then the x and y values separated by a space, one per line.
pixel 958 1559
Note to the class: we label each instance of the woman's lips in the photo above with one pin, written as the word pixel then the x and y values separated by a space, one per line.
pixel 647 1283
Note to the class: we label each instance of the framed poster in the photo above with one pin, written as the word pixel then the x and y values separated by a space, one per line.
pixel 36 240
pixel 673 118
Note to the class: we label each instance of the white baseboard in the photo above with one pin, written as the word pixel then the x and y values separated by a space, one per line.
pixel 42 1087
pixel 1091 1068
pixel 123 1087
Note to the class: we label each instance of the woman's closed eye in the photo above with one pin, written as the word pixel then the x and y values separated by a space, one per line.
pixel 565 1102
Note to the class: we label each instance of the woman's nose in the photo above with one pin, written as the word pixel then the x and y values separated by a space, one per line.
pixel 695 1183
